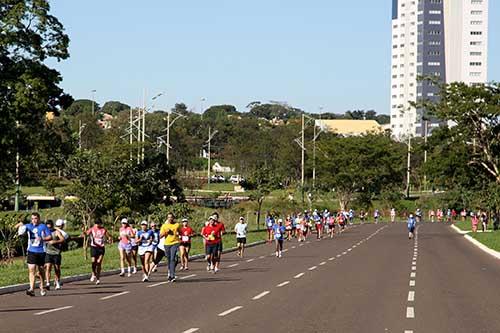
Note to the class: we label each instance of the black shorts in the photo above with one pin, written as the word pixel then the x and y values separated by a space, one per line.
pixel 212 249
pixel 241 240
pixel 54 259
pixel 220 247
pixel 135 248
pixel 36 258
pixel 96 252
pixel 185 244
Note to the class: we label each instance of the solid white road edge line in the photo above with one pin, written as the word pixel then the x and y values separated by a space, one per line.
pixel 114 295
pixel 225 313
pixel 262 294
pixel 53 310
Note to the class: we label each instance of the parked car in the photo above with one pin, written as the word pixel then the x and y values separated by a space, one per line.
pixel 236 179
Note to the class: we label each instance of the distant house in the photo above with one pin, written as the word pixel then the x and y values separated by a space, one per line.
pixel 217 168
pixel 105 122
pixel 347 127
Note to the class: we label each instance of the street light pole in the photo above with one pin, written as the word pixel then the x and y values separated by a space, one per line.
pixel 303 158
pixel 18 189
pixel 209 141
pixel 93 98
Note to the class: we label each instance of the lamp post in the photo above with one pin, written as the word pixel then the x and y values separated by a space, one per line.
pixel 18 187
pixel 93 98
pixel 209 141
pixel 202 100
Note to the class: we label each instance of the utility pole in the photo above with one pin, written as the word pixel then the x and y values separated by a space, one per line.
pixel 203 99
pixel 170 122
pixel 131 134
pixel 143 138
pixel 18 187
pixel 80 131
pixel 408 164
pixel 209 141
pixel 426 123
pixel 315 137
pixel 93 98
pixel 303 155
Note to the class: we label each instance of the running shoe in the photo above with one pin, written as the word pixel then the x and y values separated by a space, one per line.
pixel 128 274
pixel 122 274
pixel 97 282
pixel 134 270
pixel 47 286
pixel 208 268
pixel 92 278
pixel 43 292
pixel 30 292
pixel 58 286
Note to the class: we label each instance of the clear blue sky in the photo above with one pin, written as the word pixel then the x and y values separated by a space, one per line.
pixel 327 53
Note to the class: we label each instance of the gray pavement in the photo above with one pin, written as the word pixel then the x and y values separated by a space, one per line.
pixel 372 278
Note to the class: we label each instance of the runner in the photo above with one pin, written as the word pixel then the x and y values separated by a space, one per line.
pixel 135 247
pixel 269 224
pixel 212 238
pixel 418 215
pixel 38 234
pixel 159 250
pixel 98 236
pixel 221 231
pixel 125 246
pixel 341 221
pixel 279 232
pixel 411 226
pixel 318 225
pixel 484 221
pixel 288 227
pixel 171 231
pixel 53 256
pixel 475 222
pixel 145 238
pixel 376 215
pixel 393 215
pixel 186 233
pixel 241 236
pixel 156 241
pixel 432 214
pixel 331 225
pixel 351 216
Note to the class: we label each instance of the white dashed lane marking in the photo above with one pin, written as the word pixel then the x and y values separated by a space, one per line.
pixel 187 277
pixel 410 312
pixel 332 258
pixel 262 294
pixel 53 310
pixel 225 313
pixel 250 260
pixel 411 296
pixel 312 268
pixel 282 284
pixel 233 265
pixel 114 295
pixel 298 275
pixel 191 330
pixel 322 263
pixel 413 274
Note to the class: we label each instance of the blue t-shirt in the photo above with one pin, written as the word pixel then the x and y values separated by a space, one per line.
pixel 269 222
pixel 411 223
pixel 156 237
pixel 36 233
pixel 279 231
pixel 144 237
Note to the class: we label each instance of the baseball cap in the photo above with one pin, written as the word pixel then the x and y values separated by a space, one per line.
pixel 60 223
pixel 184 220
pixel 242 218
pixel 124 220
pixel 144 223
pixel 280 221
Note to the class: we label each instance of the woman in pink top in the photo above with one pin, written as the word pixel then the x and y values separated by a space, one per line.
pixel 125 246
pixel 475 222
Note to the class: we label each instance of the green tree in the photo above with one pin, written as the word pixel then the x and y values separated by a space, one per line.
pixel 114 107
pixel 364 165
pixel 82 106
pixel 29 36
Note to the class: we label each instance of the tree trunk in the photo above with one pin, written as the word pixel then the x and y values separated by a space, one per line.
pixel 260 201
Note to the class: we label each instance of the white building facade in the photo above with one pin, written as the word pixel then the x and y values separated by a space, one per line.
pixel 446 39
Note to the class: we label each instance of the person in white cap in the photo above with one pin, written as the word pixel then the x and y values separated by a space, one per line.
pixel 144 239
pixel 125 246
pixel 53 256
pixel 241 236
pixel 279 233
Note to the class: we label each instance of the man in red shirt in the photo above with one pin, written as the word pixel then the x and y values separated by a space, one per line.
pixel 211 235
pixel 221 228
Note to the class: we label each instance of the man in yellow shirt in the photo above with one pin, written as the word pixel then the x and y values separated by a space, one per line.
pixel 171 231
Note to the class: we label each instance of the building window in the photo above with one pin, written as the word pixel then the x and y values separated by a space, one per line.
pixel 476 22
pixel 475 64
pixel 435 12
pixel 435 22
pixel 432 63
pixel 476 43
pixel 475 74
pixel 476 12
pixel 476 54
pixel 476 33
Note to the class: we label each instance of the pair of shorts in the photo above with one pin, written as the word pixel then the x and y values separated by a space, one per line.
pixel 220 247
pixel 212 249
pixel 125 247
pixel 241 240
pixel 54 259
pixel 135 248
pixel 35 258
pixel 185 244
pixel 145 249
pixel 96 252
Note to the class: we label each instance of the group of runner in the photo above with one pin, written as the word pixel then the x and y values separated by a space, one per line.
pixel 299 225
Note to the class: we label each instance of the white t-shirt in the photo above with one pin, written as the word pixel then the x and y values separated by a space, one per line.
pixel 241 230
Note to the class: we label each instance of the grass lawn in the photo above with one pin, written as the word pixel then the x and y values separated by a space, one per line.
pixel 464 225
pixel 490 239
pixel 74 262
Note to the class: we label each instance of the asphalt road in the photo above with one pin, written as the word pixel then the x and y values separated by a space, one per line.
pixel 372 278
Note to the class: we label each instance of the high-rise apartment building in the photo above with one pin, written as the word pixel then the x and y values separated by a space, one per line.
pixel 446 39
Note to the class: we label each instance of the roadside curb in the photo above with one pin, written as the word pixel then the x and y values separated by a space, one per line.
pixel 81 277
pixel 477 243
pixel 460 231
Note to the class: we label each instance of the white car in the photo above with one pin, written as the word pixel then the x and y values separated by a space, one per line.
pixel 235 179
